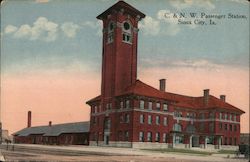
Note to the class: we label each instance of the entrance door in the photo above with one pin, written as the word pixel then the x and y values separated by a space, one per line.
pixel 106 140
pixel 195 141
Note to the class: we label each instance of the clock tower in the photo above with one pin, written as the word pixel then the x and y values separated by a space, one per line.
pixel 119 53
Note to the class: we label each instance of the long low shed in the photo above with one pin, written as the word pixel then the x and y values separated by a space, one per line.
pixel 58 134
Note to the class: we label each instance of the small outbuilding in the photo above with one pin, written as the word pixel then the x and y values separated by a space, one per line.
pixel 59 134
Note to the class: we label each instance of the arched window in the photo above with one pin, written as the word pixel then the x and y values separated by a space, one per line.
pixel 127 32
pixel 111 27
pixel 177 127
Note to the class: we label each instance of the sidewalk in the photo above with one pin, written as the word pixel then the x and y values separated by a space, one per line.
pixel 92 150
pixel 1 156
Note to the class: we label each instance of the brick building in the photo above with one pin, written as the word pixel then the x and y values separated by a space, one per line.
pixel 130 113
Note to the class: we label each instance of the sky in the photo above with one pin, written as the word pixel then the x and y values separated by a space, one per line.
pixel 51 55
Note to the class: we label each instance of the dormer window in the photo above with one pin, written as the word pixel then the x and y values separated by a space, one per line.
pixel 126 32
pixel 111 27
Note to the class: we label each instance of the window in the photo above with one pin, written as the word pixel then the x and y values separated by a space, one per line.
pixel 164 138
pixel 210 140
pixel 211 115
pixel 127 118
pixel 235 141
pixel 234 117
pixel 95 109
pixel 127 104
pixel 231 127
pixel 201 127
pixel 158 106
pixel 190 129
pixel 211 127
pixel 108 106
pixel 177 127
pixel 121 105
pixel 110 32
pixel 177 114
pixel 178 139
pixel 126 34
pixel 220 126
pixel 126 135
pixel 149 119
pixel 235 128
pixel 157 137
pixel 141 104
pixel 225 141
pixel 150 105
pixel 225 116
pixel 149 139
pixel 165 121
pixel 141 136
pixel 225 126
pixel 110 38
pixel 202 116
pixel 165 107
pixel 157 120
pixel 220 115
pixel 107 123
pixel 230 141
pixel 121 119
pixel 230 116
pixel 141 118
pixel 120 135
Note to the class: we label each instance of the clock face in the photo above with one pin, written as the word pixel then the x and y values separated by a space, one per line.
pixel 126 26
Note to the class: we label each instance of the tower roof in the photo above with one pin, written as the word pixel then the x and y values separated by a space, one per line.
pixel 121 5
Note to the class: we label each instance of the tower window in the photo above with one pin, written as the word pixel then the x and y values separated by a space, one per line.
pixel 126 33
pixel 110 37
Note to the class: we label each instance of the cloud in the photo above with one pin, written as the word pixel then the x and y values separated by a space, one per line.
pixel 240 1
pixel 201 64
pixel 160 25
pixel 150 26
pixel 42 1
pixel 42 29
pixel 97 25
pixel 184 63
pixel 70 29
pixel 10 29
pixel 182 4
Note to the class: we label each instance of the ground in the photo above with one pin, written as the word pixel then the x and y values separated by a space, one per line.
pixel 107 154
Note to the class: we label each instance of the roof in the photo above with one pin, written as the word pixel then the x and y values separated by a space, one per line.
pixel 196 103
pixel 140 88
pixel 122 5
pixel 55 130
pixel 98 98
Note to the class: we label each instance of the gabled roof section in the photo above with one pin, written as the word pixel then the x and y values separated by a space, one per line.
pixel 140 88
pixel 121 5
pixel 55 130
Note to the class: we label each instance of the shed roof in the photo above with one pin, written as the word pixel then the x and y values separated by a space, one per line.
pixel 55 130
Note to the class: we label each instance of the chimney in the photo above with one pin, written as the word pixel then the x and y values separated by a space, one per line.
pixel 206 96
pixel 29 119
pixel 223 98
pixel 162 85
pixel 50 123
